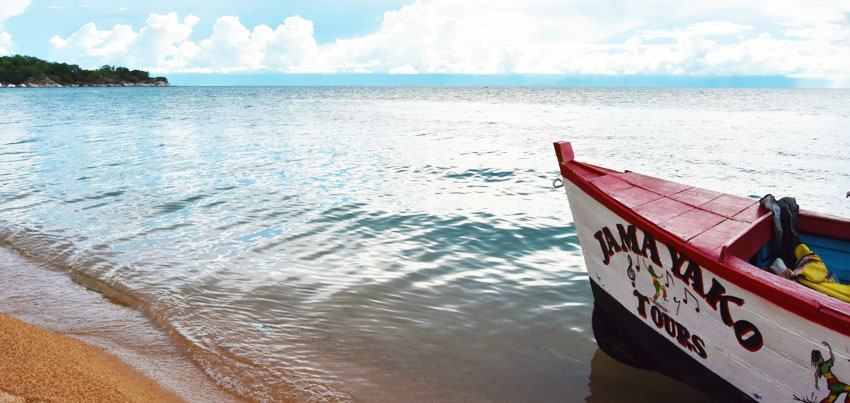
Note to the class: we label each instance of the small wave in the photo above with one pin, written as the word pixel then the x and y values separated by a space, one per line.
pixel 490 237
pixel 173 207
pixel 25 141
pixel 488 175
pixel 115 193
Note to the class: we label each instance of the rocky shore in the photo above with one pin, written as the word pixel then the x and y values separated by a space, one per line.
pixel 48 83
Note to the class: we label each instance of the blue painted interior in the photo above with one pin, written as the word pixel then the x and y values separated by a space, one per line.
pixel 835 254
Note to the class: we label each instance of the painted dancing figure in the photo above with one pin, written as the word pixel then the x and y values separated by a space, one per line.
pixel 823 368
pixel 657 285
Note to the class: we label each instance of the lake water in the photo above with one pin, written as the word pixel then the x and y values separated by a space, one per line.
pixel 377 244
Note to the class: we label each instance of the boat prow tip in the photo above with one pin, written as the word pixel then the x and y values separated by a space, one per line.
pixel 564 151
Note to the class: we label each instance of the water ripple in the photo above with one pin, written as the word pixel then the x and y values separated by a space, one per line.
pixel 376 244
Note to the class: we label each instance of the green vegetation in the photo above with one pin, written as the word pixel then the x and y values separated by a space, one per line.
pixel 27 69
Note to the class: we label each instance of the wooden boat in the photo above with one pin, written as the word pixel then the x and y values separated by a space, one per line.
pixel 674 290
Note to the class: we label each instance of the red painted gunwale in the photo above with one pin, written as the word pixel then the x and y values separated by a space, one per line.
pixel 719 250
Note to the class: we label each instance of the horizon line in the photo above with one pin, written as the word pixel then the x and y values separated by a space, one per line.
pixel 495 80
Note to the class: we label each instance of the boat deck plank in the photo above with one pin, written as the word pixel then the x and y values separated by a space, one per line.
pixel 610 183
pixel 635 196
pixel 728 205
pixel 691 223
pixel 750 214
pixel 662 209
pixel 660 186
pixel 704 218
pixel 711 240
pixel 696 196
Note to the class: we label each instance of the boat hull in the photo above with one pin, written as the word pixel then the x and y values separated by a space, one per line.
pixel 621 335
pixel 677 316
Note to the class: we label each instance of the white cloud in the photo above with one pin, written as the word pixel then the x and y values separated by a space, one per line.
pixel 6 44
pixel 289 45
pixel 406 69
pixel 230 47
pixel 163 45
pixel 9 8
pixel 504 36
pixel 162 42
pixel 90 45
pixel 702 28
pixel 808 50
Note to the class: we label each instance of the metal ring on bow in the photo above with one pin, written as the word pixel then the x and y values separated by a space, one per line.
pixel 557 183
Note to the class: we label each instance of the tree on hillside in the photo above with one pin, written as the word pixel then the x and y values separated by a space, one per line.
pixel 19 69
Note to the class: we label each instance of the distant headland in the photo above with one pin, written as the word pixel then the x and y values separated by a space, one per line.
pixel 28 71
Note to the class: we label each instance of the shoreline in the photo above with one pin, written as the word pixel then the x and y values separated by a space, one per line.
pixel 41 365
pixel 53 307
pixel 56 85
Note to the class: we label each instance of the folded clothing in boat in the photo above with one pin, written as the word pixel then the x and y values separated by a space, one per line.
pixel 785 237
pixel 787 256
pixel 811 272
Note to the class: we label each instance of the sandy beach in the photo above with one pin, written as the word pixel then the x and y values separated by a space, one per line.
pixel 39 365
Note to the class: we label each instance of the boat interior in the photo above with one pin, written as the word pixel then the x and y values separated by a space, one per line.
pixel 834 252
pixel 826 236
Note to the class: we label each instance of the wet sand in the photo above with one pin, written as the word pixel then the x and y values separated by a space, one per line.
pixel 31 292
pixel 39 365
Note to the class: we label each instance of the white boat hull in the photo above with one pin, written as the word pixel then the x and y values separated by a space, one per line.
pixel 706 330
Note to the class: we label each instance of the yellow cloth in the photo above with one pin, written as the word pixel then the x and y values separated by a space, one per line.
pixel 815 276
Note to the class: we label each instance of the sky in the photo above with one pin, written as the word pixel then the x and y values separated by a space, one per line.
pixel 793 39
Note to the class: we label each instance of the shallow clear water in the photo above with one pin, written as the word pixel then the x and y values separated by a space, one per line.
pixel 378 243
